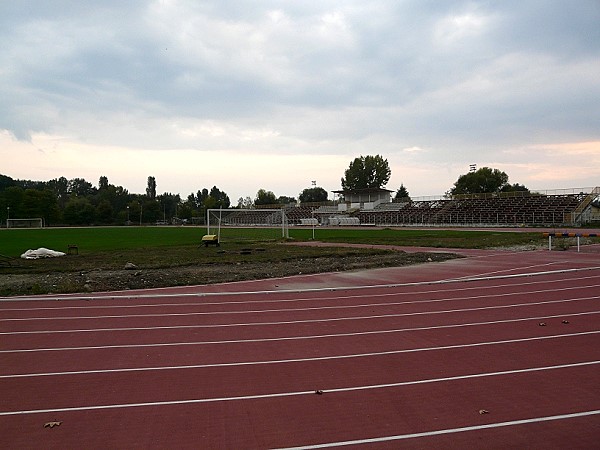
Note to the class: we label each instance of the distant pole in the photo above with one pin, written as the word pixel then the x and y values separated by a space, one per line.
pixel 127 214
pixel 141 209
pixel 7 215
pixel 314 184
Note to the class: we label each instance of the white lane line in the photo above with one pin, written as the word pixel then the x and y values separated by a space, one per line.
pixel 510 269
pixel 146 295
pixel 297 393
pixel 288 322
pixel 487 426
pixel 300 299
pixel 313 308
pixel 297 338
pixel 300 360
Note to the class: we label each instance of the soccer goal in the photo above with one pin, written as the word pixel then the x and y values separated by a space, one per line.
pixel 247 224
pixel 36 222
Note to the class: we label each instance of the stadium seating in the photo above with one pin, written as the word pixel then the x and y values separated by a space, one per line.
pixel 504 209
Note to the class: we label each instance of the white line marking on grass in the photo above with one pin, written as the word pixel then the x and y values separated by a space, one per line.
pixel 297 393
pixel 288 322
pixel 299 360
pixel 446 431
pixel 313 308
pixel 297 338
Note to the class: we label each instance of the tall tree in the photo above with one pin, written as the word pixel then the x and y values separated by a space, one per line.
pixel 366 172
pixel 264 197
pixel 313 195
pixel 245 203
pixel 60 187
pixel 221 199
pixel 151 189
pixel 285 200
pixel 484 180
pixel 402 193
pixel 102 183
pixel 79 187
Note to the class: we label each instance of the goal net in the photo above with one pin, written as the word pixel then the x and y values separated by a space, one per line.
pixel 247 224
pixel 36 222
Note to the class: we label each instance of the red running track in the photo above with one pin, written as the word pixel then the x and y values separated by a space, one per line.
pixel 496 350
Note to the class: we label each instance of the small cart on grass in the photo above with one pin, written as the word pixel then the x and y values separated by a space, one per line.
pixel 210 239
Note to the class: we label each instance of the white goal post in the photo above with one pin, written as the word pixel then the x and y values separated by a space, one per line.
pixel 247 224
pixel 36 222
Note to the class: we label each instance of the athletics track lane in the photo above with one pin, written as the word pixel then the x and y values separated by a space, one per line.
pixel 413 360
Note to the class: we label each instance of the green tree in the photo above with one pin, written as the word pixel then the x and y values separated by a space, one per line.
pixel 402 193
pixel 60 188
pixel 151 211
pixel 515 188
pixel 366 172
pixel 151 189
pixel 104 212
pixel 102 183
pixel 220 197
pixel 313 195
pixel 264 197
pixel 79 187
pixel 40 203
pixel 285 200
pixel 245 203
pixel 6 182
pixel 484 180
pixel 79 211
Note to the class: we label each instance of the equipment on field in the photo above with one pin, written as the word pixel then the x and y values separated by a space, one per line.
pixel 210 239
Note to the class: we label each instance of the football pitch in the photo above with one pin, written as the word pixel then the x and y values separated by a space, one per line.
pixel 13 242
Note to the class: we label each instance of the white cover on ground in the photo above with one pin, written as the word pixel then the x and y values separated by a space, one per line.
pixel 41 253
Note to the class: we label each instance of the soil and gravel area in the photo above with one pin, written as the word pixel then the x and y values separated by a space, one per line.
pixel 41 277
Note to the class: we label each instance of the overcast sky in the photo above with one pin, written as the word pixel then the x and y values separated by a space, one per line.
pixel 249 94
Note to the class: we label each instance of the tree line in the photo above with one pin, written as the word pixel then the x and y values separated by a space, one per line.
pixel 77 202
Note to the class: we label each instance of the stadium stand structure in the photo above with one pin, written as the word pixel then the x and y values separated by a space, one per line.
pixel 501 209
pixel 555 208
pixel 491 210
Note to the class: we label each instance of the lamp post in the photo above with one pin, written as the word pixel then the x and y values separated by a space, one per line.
pixel 7 215
pixel 127 214
pixel 141 209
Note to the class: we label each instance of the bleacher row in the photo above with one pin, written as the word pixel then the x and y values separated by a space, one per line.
pixel 501 210
pixel 546 209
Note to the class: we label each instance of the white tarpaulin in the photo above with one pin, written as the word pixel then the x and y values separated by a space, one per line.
pixel 41 253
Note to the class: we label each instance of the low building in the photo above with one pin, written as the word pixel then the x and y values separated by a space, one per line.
pixel 363 198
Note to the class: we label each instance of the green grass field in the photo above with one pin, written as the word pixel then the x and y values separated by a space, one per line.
pixel 14 242
pixel 174 256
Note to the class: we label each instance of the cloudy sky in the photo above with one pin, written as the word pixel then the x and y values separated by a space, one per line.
pixel 249 94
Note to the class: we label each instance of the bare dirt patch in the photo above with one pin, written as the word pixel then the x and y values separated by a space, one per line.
pixel 80 275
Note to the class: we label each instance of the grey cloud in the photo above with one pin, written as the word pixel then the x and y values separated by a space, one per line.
pixel 418 73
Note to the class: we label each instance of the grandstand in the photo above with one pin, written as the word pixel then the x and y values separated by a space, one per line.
pixel 554 208
pixel 572 207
